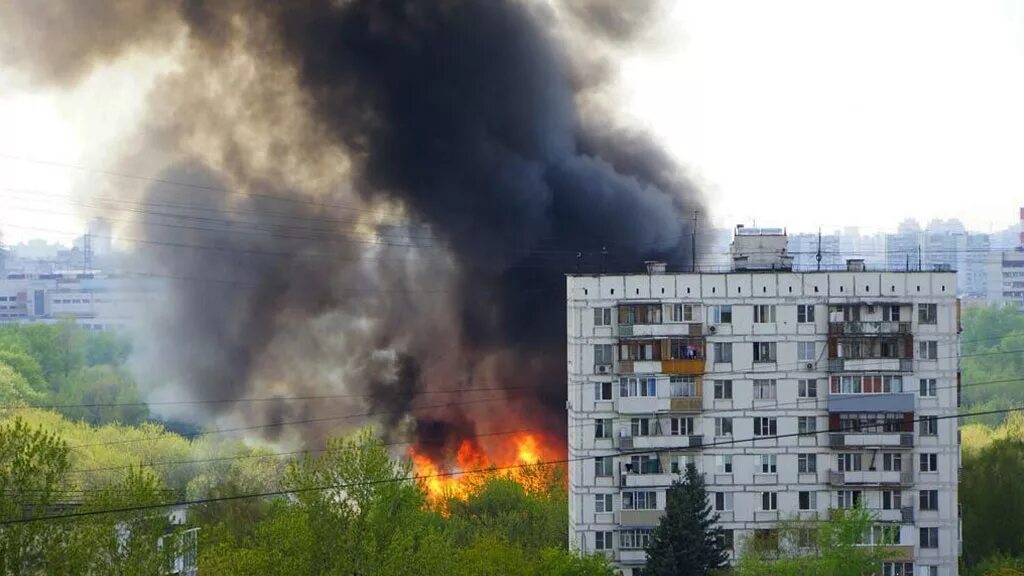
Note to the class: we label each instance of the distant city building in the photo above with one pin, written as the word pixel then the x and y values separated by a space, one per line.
pixel 92 300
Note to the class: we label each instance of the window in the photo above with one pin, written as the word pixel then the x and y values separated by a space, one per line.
pixel 728 539
pixel 882 534
pixel 891 313
pixel 603 540
pixel 723 389
pixel 769 501
pixel 682 313
pixel 805 313
pixel 898 569
pixel 765 426
pixel 806 424
pixel 723 501
pixel 640 387
pixel 848 498
pixel 644 464
pixel 603 354
pixel 764 351
pixel 603 503
pixel 603 466
pixel 892 499
pixel 892 462
pixel 929 462
pixel 602 390
pixel 929 499
pixel 723 426
pixel 929 426
pixel 927 313
pixel 723 352
pixel 723 464
pixel 681 426
pixel 636 539
pixel 768 464
pixel 679 463
pixel 851 313
pixel 764 389
pixel 603 428
pixel 850 462
pixel 764 314
pixel 807 388
pixel 805 351
pixel 928 350
pixel 721 314
pixel 929 538
pixel 807 463
pixel 641 426
pixel 639 500
pixel 927 570
pixel 867 384
pixel 682 386
pixel 602 316
pixel 807 500
pixel 927 387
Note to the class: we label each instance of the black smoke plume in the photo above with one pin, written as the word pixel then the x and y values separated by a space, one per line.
pixel 409 182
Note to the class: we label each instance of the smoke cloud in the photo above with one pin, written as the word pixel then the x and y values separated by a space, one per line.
pixel 377 198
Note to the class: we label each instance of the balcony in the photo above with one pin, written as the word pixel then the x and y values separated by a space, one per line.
pixel 904 553
pixel 660 479
pixel 691 367
pixel 870 364
pixel 871 478
pixel 871 440
pixel 686 404
pixel 659 330
pixel 891 402
pixel 859 328
pixel 640 518
pixel 661 441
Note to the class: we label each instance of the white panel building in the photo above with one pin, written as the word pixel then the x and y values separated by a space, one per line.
pixel 793 393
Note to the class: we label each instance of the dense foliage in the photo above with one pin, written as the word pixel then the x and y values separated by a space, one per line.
pixel 351 510
pixel 992 367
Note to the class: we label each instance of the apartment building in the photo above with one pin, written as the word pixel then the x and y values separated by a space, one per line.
pixel 793 393
pixel 95 301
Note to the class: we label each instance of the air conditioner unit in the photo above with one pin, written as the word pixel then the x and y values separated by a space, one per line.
pixel 712 329
pixel 603 368
pixel 809 366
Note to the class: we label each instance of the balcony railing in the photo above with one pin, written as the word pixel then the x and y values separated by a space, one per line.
pixel 871 478
pixel 861 440
pixel 865 328
pixel 686 404
pixel 873 364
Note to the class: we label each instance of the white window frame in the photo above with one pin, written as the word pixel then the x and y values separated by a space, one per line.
pixel 765 426
pixel 724 501
pixel 723 464
pixel 600 388
pixel 765 352
pixel 603 503
pixel 768 464
pixel 927 388
pixel 927 350
pixel 723 352
pixel 723 427
pixel 807 388
pixel 765 389
pixel 764 313
pixel 682 386
pixel 812 500
pixel 722 389
pixel 681 426
pixel 806 352
pixel 769 501
pixel 807 463
pixel 805 313
pixel 602 428
pixel 928 462
pixel 720 314
pixel 602 316
pixel 603 540
pixel 807 425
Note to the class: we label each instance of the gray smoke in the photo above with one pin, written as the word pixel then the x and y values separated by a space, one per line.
pixel 384 198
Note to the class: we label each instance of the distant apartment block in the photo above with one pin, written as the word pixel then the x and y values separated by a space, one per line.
pixel 92 300
pixel 794 393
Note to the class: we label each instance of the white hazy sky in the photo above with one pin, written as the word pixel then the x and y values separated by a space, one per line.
pixel 790 113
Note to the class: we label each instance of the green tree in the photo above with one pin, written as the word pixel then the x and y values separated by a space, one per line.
pixel 14 388
pixel 801 547
pixel 33 464
pixel 993 501
pixel 686 541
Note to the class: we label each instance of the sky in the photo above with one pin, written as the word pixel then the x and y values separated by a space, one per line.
pixel 801 114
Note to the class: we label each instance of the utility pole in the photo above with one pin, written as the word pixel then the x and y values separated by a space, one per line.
pixel 604 259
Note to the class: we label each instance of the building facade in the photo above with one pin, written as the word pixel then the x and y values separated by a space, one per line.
pixel 793 393
pixel 93 300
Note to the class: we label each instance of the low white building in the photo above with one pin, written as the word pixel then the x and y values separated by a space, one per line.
pixel 793 393
pixel 93 300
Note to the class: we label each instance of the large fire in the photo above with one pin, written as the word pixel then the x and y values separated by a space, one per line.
pixel 512 457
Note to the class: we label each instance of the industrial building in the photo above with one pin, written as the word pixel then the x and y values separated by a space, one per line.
pixel 794 393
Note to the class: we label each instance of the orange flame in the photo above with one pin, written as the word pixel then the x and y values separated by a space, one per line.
pixel 504 456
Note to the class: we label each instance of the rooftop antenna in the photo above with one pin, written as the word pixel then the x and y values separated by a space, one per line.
pixel 579 260
pixel 693 244
pixel 604 259
pixel 919 268
pixel 817 257
pixel 87 255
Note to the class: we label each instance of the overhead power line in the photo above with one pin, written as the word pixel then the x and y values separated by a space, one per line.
pixel 414 478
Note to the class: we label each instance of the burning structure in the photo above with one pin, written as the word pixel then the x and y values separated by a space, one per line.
pixel 376 198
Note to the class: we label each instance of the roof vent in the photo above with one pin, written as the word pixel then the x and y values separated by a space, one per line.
pixel 655 267
pixel 855 265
